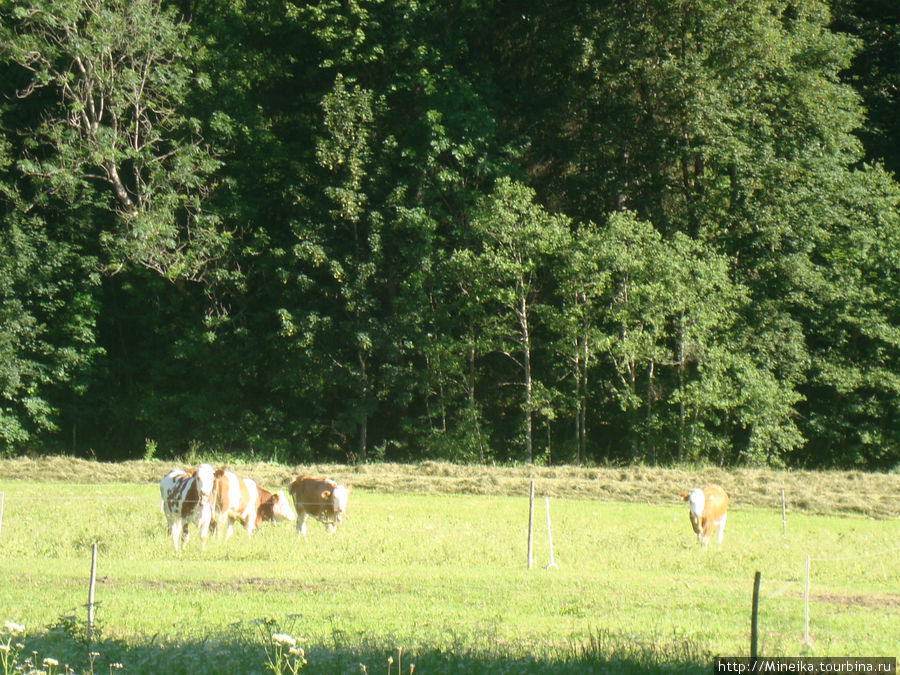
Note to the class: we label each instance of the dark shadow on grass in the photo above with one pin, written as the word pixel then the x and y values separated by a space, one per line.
pixel 231 652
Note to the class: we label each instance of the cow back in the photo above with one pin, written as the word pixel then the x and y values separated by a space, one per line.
pixel 236 497
pixel 307 493
pixel 715 502
pixel 180 493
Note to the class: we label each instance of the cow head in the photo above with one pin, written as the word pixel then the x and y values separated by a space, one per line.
pixel 281 507
pixel 206 478
pixel 697 501
pixel 337 497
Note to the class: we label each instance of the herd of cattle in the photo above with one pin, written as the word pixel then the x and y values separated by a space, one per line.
pixel 212 500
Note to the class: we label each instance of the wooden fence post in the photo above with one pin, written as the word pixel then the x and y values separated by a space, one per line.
pixel 530 524
pixel 806 606
pixel 754 622
pixel 783 516
pixel 552 563
pixel 90 605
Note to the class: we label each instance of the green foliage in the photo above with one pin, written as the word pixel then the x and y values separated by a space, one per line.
pixel 517 244
pixel 619 232
pixel 122 73
pixel 875 72
pixel 47 323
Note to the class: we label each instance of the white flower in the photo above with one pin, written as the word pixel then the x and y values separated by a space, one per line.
pixel 283 640
pixel 50 662
pixel 4 648
pixel 14 628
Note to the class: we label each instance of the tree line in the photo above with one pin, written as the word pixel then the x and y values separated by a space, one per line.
pixel 623 231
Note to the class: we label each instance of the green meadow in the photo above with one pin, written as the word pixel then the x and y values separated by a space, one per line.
pixel 438 580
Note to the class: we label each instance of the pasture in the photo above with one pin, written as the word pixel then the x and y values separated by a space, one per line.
pixel 441 575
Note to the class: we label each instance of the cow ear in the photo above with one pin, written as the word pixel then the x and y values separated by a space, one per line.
pixel 683 496
pixel 326 494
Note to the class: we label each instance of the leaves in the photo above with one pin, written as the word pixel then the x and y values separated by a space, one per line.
pixel 120 70
pixel 632 231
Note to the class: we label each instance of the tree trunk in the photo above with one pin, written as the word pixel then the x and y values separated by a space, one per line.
pixel 681 409
pixel 470 385
pixel 363 404
pixel 526 358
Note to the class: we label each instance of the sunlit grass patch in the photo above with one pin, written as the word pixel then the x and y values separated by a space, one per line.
pixel 443 578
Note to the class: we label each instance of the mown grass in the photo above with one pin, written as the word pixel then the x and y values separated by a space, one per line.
pixel 442 575
pixel 823 492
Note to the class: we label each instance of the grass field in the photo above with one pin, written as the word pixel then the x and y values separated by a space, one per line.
pixel 432 561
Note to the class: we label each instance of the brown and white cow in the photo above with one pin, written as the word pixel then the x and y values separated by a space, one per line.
pixel 188 498
pixel 321 498
pixel 273 507
pixel 243 500
pixel 708 511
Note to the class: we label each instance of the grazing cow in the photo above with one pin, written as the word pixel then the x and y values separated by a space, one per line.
pixel 709 510
pixel 320 498
pixel 273 507
pixel 243 500
pixel 188 498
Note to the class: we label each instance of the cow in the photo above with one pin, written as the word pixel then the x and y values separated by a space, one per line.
pixel 188 498
pixel 235 499
pixel 273 507
pixel 243 500
pixel 708 510
pixel 320 498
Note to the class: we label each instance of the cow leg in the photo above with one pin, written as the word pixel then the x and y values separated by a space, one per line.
pixel 706 532
pixel 184 532
pixel 221 526
pixel 248 518
pixel 301 522
pixel 175 532
pixel 721 532
pixel 330 525
pixel 203 524
pixel 230 530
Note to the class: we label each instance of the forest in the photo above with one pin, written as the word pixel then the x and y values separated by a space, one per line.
pixel 631 231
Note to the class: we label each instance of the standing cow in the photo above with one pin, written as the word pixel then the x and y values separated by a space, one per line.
pixel 708 511
pixel 243 500
pixel 188 498
pixel 320 498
